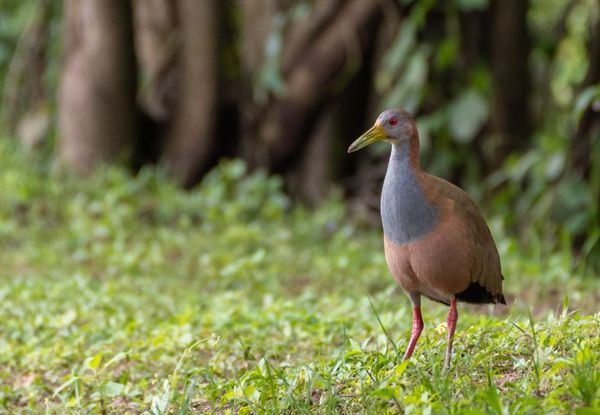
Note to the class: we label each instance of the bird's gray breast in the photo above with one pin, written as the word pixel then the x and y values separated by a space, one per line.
pixel 406 214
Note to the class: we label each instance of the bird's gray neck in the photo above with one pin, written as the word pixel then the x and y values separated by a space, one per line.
pixel 406 213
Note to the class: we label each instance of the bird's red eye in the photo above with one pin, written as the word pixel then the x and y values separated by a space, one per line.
pixel 393 121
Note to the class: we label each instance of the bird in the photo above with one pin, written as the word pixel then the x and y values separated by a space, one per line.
pixel 436 242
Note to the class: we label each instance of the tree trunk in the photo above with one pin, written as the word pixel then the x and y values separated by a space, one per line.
pixel 256 16
pixel 311 177
pixel 256 25
pixel 323 158
pixel 190 141
pixel 97 92
pixel 302 36
pixel 311 80
pixel 510 76
pixel 157 44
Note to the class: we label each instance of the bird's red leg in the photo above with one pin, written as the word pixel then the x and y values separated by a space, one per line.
pixel 417 328
pixel 452 319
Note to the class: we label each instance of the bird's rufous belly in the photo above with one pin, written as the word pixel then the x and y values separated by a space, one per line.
pixel 437 265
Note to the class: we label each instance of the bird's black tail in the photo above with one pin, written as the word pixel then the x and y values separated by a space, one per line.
pixel 477 294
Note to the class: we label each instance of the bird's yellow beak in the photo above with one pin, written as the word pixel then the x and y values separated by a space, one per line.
pixel 375 133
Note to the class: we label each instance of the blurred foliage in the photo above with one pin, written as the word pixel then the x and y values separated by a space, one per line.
pixel 124 293
pixel 29 65
pixel 14 14
pixel 536 192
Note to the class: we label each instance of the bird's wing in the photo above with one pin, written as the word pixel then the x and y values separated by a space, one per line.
pixel 486 269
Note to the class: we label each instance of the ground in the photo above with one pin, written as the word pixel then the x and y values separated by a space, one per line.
pixel 124 294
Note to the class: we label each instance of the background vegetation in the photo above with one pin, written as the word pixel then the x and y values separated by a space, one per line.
pixel 143 272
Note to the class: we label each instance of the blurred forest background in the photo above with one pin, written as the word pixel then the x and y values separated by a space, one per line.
pixel 182 230
pixel 506 94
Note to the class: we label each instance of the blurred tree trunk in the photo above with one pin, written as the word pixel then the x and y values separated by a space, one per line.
pixel 97 90
pixel 322 159
pixel 157 46
pixel 190 140
pixel 589 125
pixel 510 76
pixel 256 24
pixel 310 177
pixel 302 36
pixel 156 42
pixel 474 38
pixel 228 129
pixel 311 75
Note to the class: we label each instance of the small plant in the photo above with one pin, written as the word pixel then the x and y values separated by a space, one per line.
pixel 584 376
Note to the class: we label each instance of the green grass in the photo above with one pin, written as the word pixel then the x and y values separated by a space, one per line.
pixel 127 295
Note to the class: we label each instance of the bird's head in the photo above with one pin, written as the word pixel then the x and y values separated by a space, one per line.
pixel 393 126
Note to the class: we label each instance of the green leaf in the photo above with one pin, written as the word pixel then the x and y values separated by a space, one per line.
pixel 586 98
pixel 467 114
pixel 94 363
pixel 116 358
pixel 112 389
pixel 447 52
pixel 401 368
pixel 493 397
pixel 384 392
pixel 65 385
